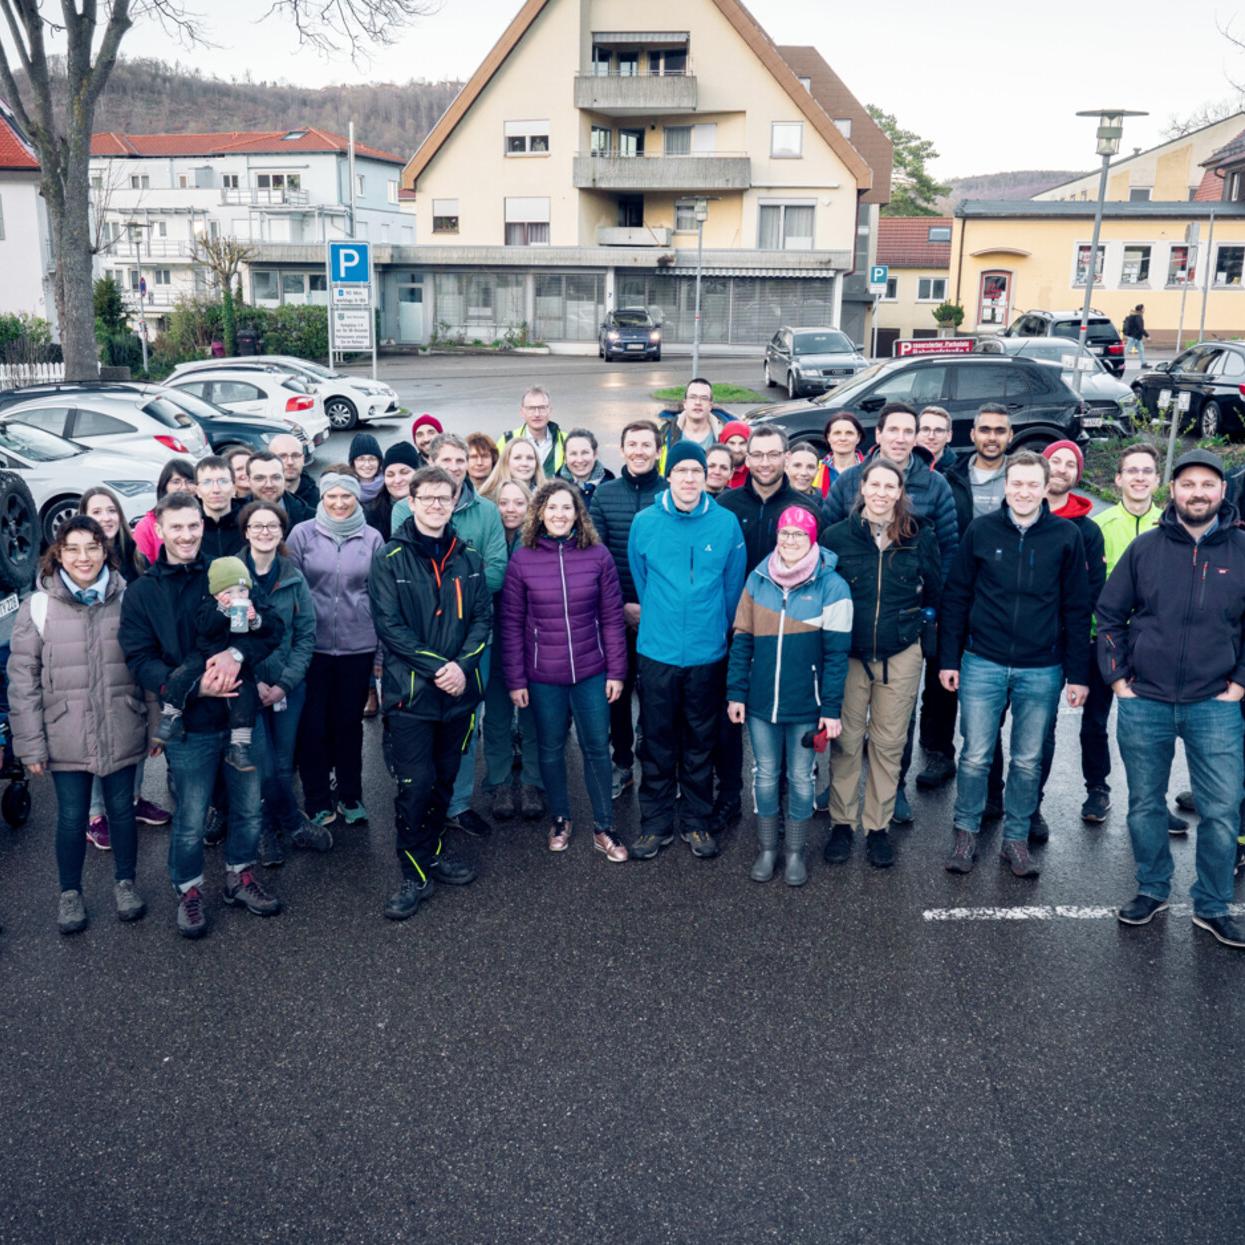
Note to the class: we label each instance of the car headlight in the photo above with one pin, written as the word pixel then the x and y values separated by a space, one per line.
pixel 655 335
pixel 612 335
pixel 131 488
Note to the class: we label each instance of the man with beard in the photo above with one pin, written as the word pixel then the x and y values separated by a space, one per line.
pixel 1171 642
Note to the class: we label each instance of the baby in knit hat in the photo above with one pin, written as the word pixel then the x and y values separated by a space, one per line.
pixel 225 619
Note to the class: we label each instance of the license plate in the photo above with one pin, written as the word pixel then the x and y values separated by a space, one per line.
pixel 9 605
pixel 838 371
pixel 634 346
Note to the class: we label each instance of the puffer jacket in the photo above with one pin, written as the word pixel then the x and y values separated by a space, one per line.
pixel 561 615
pixel 289 600
pixel 788 658
pixel 337 576
pixel 613 509
pixel 73 703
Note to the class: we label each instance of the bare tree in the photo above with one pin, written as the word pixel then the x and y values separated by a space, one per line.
pixel 223 258
pixel 92 36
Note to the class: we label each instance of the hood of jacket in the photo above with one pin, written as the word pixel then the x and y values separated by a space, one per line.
pixel 1074 507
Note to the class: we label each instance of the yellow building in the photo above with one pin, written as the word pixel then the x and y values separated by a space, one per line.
pixel 565 178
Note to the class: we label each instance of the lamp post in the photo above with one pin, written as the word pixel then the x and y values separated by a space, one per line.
pixel 135 228
pixel 702 215
pixel 1110 131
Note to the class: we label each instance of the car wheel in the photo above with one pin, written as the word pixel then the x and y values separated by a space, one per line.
pixel 15 804
pixel 341 413
pixel 769 380
pixel 1211 423
pixel 56 515
pixel 657 357
pixel 19 534
pixel 792 391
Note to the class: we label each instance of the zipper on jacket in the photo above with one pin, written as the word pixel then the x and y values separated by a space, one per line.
pixel 877 608
pixel 1020 569
pixel 782 622
pixel 566 611
pixel 816 687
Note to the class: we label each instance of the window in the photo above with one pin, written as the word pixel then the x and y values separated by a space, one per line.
pixel 678 140
pixel 392 190
pixel 294 136
pixel 939 233
pixel 293 283
pixel 1082 264
pixel 931 289
pixel 844 126
pixel 140 181
pixel 785 227
pixel 445 216
pixel 162 276
pixel 527 222
pixel 1136 268
pixel 601 140
pixel 95 424
pixel 1139 194
pixel 183 181
pixel 918 384
pixel 229 181
pixel 282 181
pixel 317 281
pixel 1180 267
pixel 162 229
pixel 360 186
pixel 628 64
pixel 786 139
pixel 807 84
pixel 1229 261
pixel 630 142
pixel 600 62
pixel 527 138
pixel 892 289
pixel 226 391
pixel 685 216
pixel 97 181
pixel 264 285
pixel 671 62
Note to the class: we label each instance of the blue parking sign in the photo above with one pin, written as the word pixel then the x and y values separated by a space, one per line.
pixel 349 263
pixel 879 274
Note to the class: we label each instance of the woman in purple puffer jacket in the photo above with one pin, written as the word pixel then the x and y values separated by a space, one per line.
pixel 564 652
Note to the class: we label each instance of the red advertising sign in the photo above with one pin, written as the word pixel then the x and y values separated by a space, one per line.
pixel 907 347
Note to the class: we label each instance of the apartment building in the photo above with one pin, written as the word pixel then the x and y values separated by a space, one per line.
pixel 917 252
pixel 26 257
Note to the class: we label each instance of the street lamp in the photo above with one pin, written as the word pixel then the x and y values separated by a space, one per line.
pixel 1110 130
pixel 134 228
pixel 702 215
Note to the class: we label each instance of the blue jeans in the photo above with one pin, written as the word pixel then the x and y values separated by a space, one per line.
pixel 193 765
pixel 73 799
pixel 1146 731
pixel 769 739
pixel 984 690
pixel 554 705
pixel 272 747
pixel 98 808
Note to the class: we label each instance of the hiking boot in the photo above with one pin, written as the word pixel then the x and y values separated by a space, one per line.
pixel 191 919
pixel 170 728
pixel 559 835
pixel 1039 830
pixel 608 843
pixel 1176 826
pixel 98 834
pixel 242 886
pixel 767 857
pixel 879 850
pixel 405 901
pixel 71 913
pixel 622 778
pixel 839 845
pixel 1015 855
pixel 151 814
pixel 649 844
pixel 312 837
pixel 795 840
pixel 271 855
pixel 503 806
pixel 239 757
pixel 469 822
pixel 1096 806
pixel 531 803
pixel 130 906
pixel 1186 803
pixel 353 814
pixel 902 816
pixel 963 853
pixel 214 828
pixel 1141 910
pixel 451 869
pixel 704 846
pixel 1223 929
pixel 940 769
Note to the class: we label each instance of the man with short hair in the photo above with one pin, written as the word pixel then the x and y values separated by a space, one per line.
pixel 1171 642
pixel 613 510
pixel 433 610
pixel 214 486
pixel 933 434
pixel 1135 333
pixel 289 449
pixel 689 563
pixel 539 428
pixel 696 421
pixel 735 437
pixel 158 633
pixel 267 478
pixel 1015 626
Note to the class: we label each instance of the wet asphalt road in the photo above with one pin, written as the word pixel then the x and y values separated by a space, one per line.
pixel 571 1050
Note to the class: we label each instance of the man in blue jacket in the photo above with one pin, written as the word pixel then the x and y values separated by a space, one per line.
pixel 688 561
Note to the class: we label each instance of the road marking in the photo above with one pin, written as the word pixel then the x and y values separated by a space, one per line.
pixel 1049 912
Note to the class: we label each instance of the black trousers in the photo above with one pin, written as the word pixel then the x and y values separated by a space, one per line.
pixel 330 734
pixel 622 727
pixel 728 762
pixel 423 756
pixel 1095 747
pixel 679 711
pixel 938 710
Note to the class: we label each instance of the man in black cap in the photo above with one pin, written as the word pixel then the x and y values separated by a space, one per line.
pixel 1171 643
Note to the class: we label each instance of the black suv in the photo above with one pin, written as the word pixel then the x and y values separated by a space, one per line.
pixel 1207 381
pixel 1042 407
pixel 1101 336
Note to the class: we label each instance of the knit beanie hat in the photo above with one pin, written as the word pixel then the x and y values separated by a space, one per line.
pixel 339 479
pixel 227 573
pixel 424 420
pixel 684 451
pixel 736 428
pixel 797 516
pixel 402 452
pixel 363 443
pixel 1076 453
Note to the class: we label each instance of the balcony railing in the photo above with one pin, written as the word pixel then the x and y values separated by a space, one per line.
pixel 696 172
pixel 645 235
pixel 636 95
pixel 279 197
pixel 150 248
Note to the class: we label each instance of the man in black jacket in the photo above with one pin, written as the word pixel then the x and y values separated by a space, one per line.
pixel 1171 643
pixel 157 634
pixel 289 449
pixel 214 486
pixel 267 482
pixel 433 611
pixel 613 509
pixel 1015 624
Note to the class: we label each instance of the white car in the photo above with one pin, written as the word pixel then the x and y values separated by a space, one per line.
pixel 58 472
pixel 257 391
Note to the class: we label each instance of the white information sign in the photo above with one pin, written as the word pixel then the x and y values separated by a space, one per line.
pixel 352 328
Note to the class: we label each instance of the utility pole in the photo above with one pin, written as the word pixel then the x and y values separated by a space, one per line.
pixel 1210 257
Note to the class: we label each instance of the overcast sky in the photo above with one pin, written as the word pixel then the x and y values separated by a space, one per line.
pixel 994 86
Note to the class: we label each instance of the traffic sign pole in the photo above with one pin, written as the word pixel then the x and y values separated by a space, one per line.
pixel 328 282
pixel 879 276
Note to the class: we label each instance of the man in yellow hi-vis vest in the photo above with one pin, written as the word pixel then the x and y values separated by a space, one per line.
pixel 539 428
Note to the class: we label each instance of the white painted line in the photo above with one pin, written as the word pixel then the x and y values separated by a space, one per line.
pixel 1049 912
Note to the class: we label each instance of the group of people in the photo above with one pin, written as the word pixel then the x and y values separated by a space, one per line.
pixel 724 581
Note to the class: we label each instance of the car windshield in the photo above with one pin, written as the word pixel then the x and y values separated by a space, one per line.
pixel 633 319
pixel 1056 350
pixel 167 413
pixel 850 388
pixel 36 445
pixel 822 343
pixel 1100 332
pixel 194 405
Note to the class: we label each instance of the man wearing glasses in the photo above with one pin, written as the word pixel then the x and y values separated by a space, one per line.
pixel 538 427
pixel 696 422
pixel 297 482
pixel 432 609
pixel 269 472
pixel 214 485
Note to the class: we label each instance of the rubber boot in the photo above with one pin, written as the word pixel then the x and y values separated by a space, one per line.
pixel 767 857
pixel 796 840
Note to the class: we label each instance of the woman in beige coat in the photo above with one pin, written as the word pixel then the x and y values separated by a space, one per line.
pixel 75 710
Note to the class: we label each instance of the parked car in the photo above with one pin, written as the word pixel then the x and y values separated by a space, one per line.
pixel 258 391
pixel 1042 407
pixel 1110 404
pixel 347 400
pixel 811 360
pixel 226 431
pixel 58 471
pixel 1207 382
pixel 1101 336
pixel 630 332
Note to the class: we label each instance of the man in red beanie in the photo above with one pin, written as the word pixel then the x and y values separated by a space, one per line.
pixel 423 430
pixel 735 437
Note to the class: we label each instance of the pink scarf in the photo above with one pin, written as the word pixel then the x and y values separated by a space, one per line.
pixel 788 577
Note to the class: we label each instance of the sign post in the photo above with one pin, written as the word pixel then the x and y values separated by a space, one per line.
pixel 879 276
pixel 352 320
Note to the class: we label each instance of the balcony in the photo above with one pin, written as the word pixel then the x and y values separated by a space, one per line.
pixel 721 171
pixel 278 197
pixel 636 95
pixel 647 235
pixel 150 249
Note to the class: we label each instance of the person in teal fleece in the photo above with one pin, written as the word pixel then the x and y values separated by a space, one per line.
pixel 688 562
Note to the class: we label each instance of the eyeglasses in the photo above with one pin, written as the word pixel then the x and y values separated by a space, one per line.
pixel 775 457
pixel 259 528
pixel 537 409
pixel 218 482
pixel 295 457
pixel 791 537
pixel 439 502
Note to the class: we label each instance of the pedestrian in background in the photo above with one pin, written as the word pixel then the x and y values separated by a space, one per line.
pixel 1135 333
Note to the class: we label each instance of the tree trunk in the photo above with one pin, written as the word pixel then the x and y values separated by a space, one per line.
pixel 69 213
pixel 229 321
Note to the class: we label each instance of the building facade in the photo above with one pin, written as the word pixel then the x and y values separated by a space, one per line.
pixel 917 252
pixel 26 257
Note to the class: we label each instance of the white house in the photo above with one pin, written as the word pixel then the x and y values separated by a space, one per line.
pixel 26 260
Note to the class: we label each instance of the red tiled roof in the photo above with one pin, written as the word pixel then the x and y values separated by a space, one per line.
pixel 15 151
pixel 1230 153
pixel 1211 188
pixel 229 142
pixel 903 242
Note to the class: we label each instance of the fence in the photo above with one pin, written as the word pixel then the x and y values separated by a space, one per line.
pixel 13 375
